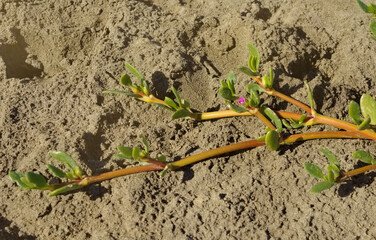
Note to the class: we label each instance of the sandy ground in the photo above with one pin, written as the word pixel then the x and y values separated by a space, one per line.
pixel 56 58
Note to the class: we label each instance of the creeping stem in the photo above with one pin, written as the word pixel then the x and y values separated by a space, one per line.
pixel 215 152
pixel 256 143
pixel 310 120
pixel 290 100
pixel 344 125
pixel 155 165
pixel 123 172
pixel 219 114
pixel 357 171
pixel 264 120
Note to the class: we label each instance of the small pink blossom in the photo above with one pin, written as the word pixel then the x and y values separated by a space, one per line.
pixel 241 100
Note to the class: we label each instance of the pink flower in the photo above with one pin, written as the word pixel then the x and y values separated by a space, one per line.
pixel 241 100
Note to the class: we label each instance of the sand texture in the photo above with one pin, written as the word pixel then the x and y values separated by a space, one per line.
pixel 56 58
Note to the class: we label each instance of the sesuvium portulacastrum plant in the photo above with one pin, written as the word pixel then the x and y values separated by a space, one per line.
pixel 372 10
pixel 277 123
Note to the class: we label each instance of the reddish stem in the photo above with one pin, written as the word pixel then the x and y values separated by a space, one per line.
pixel 357 171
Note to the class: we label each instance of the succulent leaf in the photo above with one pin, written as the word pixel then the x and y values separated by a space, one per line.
pixel 321 186
pixel 181 113
pixel 364 157
pixel 272 140
pixel 313 170
pixel 368 107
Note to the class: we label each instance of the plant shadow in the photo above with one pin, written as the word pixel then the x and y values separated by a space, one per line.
pixel 10 232
pixel 188 173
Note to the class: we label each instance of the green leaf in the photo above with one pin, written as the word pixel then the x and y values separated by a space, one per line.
pixel 271 78
pixel 145 87
pixel 231 80
pixel 272 140
pixel 252 64
pixel 310 96
pixel 330 177
pixel 354 112
pixel 264 81
pixel 126 152
pixel 131 94
pixel 331 157
pixel 321 186
pixel 368 107
pixel 164 171
pixel 126 80
pixel 236 108
pixel 372 26
pixel 313 170
pixel 135 72
pixel 364 124
pixel 181 113
pixel 145 144
pixel 136 153
pixel 67 188
pixel 254 60
pixel 254 100
pixel 267 81
pixel 302 118
pixel 17 177
pixel 273 116
pixel 163 106
pixel 224 84
pixel 247 71
pixel 161 158
pixel 185 104
pixel 38 180
pixel 227 94
pixel 363 6
pixel 178 99
pixel 120 156
pixel 255 87
pixel 364 157
pixel 171 103
pixel 286 123
pixel 57 171
pixel 64 158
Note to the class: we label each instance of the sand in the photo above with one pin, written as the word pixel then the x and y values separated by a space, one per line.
pixel 56 58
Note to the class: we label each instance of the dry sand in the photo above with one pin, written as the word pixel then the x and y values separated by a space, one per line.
pixel 56 58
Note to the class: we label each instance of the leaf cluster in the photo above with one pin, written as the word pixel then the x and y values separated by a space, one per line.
pixel 370 9
pixel 137 154
pixel 253 62
pixel 125 80
pixel 227 91
pixel 334 172
pixel 33 180
pixel 364 114
pixel 181 107
pixel 291 123
pixel 329 179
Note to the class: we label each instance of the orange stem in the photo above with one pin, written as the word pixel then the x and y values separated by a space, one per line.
pixel 283 96
pixel 357 171
pixel 344 125
pixel 216 152
pixel 265 120
pixel 122 172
